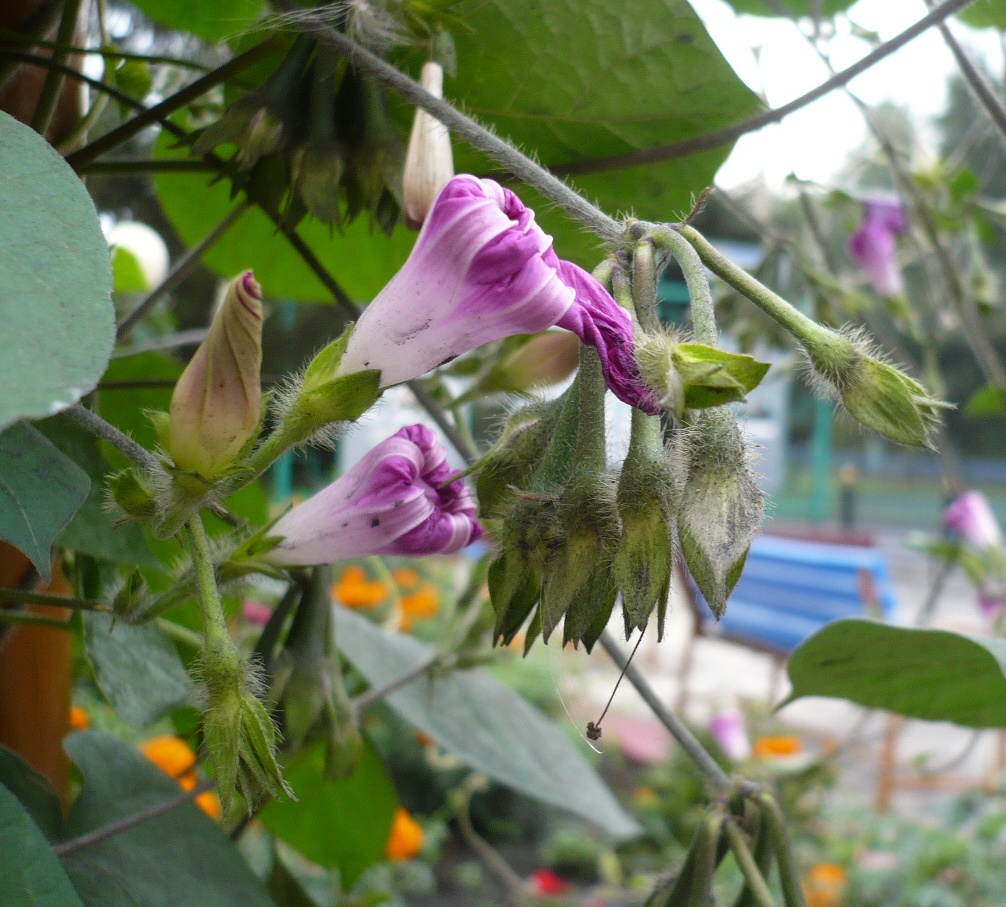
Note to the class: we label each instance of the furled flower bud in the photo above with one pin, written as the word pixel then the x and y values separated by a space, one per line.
pixel 875 393
pixel 396 500
pixel 217 403
pixel 481 270
pixel 308 683
pixel 429 164
pixel 645 557
pixel 874 245
pixel 721 506
pixel 971 520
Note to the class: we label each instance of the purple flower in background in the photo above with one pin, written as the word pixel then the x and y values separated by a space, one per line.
pixel 482 270
pixel 728 730
pixel 874 246
pixel 971 517
pixel 255 612
pixel 394 501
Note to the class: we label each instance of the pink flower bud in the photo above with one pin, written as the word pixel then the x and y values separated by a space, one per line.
pixel 728 730
pixel 217 402
pixel 429 163
pixel 482 270
pixel 394 501
pixel 874 248
pixel 971 517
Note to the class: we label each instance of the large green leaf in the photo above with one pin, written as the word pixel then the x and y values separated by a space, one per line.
pixel 566 82
pixel 55 280
pixel 571 81
pixel 34 791
pixel 180 857
pixel 30 874
pixel 40 490
pixel 136 667
pixel 931 674
pixel 94 530
pixel 826 8
pixel 343 824
pixel 484 723
pixel 985 14
pixel 362 262
pixel 212 21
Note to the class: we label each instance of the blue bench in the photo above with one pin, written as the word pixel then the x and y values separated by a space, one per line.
pixel 791 587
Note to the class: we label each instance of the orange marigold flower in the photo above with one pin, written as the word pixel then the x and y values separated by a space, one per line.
pixel 354 590
pixel 406 577
pixel 171 755
pixel 207 801
pixel 824 885
pixel 777 745
pixel 424 602
pixel 406 837
pixel 79 719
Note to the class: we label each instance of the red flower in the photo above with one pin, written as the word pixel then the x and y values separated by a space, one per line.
pixel 545 883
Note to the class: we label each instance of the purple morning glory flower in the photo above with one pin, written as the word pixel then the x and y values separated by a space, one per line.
pixel 727 728
pixel 874 246
pixel 394 501
pixel 482 270
pixel 971 518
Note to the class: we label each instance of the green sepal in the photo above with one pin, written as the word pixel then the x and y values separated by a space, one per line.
pixel 643 564
pixel 589 613
pixel 712 376
pixel 514 589
pixel 132 496
pixel 161 422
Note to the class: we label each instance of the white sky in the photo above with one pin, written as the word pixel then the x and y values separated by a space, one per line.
pixel 772 57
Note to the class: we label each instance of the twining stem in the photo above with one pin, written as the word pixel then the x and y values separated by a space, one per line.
pixel 718 779
pixel 183 267
pixel 8 616
pixel 752 874
pixel 93 838
pixel 789 876
pixel 169 105
pixel 108 432
pixel 486 852
pixel 383 691
pixel 729 134
pixel 826 347
pixel 49 97
pixel 690 261
pixel 644 286
pixel 461 125
pixel 41 598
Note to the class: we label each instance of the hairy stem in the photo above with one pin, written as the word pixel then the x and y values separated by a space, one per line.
pixel 108 432
pixel 752 874
pixel 729 134
pixel 463 126
pixel 27 597
pixel 688 258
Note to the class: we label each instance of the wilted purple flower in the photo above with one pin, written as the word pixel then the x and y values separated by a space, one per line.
pixel 482 270
pixel 873 246
pixel 971 517
pixel 394 501
pixel 728 730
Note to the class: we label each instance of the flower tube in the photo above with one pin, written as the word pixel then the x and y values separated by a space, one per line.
pixel 394 501
pixel 482 270
pixel 874 247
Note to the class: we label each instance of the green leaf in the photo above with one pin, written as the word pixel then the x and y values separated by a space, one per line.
pixel 127 274
pixel 986 402
pixel 930 674
pixel 137 668
pixel 30 874
pixel 362 262
pixel 484 723
pixel 40 490
pixel 985 14
pixel 212 21
pixel 93 530
pixel 713 376
pixel 180 857
pixel 553 78
pixel 343 824
pixel 827 8
pixel 34 791
pixel 56 280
